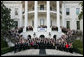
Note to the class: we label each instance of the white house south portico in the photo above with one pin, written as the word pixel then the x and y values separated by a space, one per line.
pixel 42 31
pixel 45 18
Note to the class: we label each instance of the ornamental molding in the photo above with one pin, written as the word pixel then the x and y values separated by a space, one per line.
pixel 68 18
pixel 12 2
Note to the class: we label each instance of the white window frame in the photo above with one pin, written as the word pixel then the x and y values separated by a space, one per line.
pixel 41 21
pixel 16 10
pixel 77 11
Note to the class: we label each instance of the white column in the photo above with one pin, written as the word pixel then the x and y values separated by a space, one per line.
pixel 48 16
pixel 63 14
pixel 20 16
pixel 35 15
pixel 26 15
pixel 58 17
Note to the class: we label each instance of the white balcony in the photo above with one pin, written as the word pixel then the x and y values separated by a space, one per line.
pixel 42 29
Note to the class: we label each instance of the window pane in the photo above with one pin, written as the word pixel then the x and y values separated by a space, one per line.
pixel 78 25
pixel 51 22
pixel 16 11
pixel 41 21
pixel 41 7
pixel 16 23
pixel 77 11
pixel 50 8
pixel 67 11
pixel 68 24
pixel 32 23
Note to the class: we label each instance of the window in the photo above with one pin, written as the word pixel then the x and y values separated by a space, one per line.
pixel 77 11
pixel 50 8
pixel 41 7
pixel 16 11
pixel 68 24
pixel 41 21
pixel 78 25
pixel 32 23
pixel 33 7
pixel 67 11
pixel 51 22
pixel 16 23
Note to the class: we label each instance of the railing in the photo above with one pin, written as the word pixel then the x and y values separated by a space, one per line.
pixel 42 28
pixel 45 8
pixel 52 9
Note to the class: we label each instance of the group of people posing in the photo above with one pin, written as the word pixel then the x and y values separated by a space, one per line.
pixel 41 43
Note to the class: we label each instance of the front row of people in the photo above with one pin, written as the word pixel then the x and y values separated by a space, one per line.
pixel 41 44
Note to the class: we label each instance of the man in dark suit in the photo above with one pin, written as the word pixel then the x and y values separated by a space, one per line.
pixel 44 44
pixel 47 45
pixel 41 45
pixel 25 45
pixel 20 46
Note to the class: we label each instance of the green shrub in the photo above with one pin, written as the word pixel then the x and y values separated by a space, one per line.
pixel 6 49
pixel 78 46
pixel 80 50
pixel 3 43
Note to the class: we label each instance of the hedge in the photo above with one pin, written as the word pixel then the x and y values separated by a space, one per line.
pixel 3 43
pixel 80 50
pixel 78 46
pixel 6 49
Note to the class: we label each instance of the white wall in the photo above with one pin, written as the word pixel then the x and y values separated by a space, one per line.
pixel 72 17
pixel 12 6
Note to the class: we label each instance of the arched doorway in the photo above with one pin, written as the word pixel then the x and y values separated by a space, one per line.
pixel 29 37
pixel 42 36
pixel 54 37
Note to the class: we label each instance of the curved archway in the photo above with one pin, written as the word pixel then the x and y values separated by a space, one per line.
pixel 41 36
pixel 29 37
pixel 54 36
